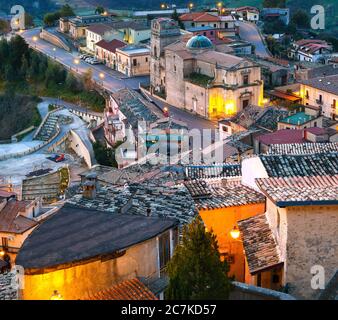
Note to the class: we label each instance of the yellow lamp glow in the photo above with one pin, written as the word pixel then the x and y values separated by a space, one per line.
pixel 35 38
pixel 101 75
pixel 56 296
pixel 234 233
pixel 230 108
pixel 219 4
pixel 76 61
pixel 2 253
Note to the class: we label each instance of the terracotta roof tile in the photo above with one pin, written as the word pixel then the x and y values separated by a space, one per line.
pixel 213 171
pixel 260 246
pixel 281 137
pixel 221 194
pixel 301 165
pixel 111 45
pixel 11 220
pixel 301 190
pixel 127 290
pixel 303 148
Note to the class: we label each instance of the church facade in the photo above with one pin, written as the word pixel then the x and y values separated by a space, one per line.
pixel 193 75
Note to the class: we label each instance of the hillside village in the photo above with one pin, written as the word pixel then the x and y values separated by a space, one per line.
pixel 202 122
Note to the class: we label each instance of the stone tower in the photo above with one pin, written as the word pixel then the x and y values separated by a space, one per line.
pixel 164 31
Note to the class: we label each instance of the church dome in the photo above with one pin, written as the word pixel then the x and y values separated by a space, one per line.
pixel 199 42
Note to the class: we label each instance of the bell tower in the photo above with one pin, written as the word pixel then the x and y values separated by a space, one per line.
pixel 164 31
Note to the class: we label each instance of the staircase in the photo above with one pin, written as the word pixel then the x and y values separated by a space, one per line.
pixel 48 129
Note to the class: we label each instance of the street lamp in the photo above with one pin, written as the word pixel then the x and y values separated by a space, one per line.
pixel 191 5
pixel 76 61
pixel 2 253
pixel 234 233
pixel 35 39
pixel 101 75
pixel 56 296
pixel 54 49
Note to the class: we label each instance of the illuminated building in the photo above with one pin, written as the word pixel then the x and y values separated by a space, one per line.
pixel 193 75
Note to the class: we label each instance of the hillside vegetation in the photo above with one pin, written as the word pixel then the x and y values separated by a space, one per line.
pixel 17 113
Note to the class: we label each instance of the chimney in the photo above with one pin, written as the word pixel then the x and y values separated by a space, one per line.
pixel 89 187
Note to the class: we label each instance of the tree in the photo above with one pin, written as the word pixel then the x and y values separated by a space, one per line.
pixel 100 10
pixel 4 27
pixel 50 18
pixel 196 270
pixel 72 83
pixel 28 20
pixel 274 3
pixel 88 79
pixel 103 155
pixel 175 16
pixel 301 19
pixel 66 11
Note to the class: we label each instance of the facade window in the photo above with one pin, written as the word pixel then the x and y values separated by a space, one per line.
pixel 334 103
pixel 245 79
pixel 4 242
pixel 134 62
pixel 320 98
pixel 164 249
pixel 215 25
pixel 211 33
pixel 174 68
pixel 146 59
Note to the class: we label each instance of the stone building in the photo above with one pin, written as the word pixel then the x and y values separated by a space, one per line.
pixel 221 203
pixel 75 261
pixel 133 60
pixel 164 31
pixel 194 76
pixel 321 92
pixel 17 221
pixel 296 237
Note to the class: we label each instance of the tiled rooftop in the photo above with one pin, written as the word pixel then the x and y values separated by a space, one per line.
pixel 283 136
pixel 135 107
pixel 260 246
pixel 298 118
pixel 301 190
pixel 138 173
pixel 218 195
pixel 302 148
pixel 10 219
pixel 139 198
pixel 132 289
pixel 326 84
pixel 300 165
pixel 222 170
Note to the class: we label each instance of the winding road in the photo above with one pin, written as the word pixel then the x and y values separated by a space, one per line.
pixel 249 32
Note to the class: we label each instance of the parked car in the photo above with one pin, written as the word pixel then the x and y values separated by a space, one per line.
pixel 94 61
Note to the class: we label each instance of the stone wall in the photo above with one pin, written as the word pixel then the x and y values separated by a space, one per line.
pixel 8 291
pixel 311 240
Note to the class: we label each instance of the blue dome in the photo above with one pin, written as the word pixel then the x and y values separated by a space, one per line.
pixel 199 42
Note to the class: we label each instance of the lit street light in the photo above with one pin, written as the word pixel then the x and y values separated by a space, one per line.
pixel 35 39
pixel 56 296
pixel 234 233
pixel 76 62
pixel 102 76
